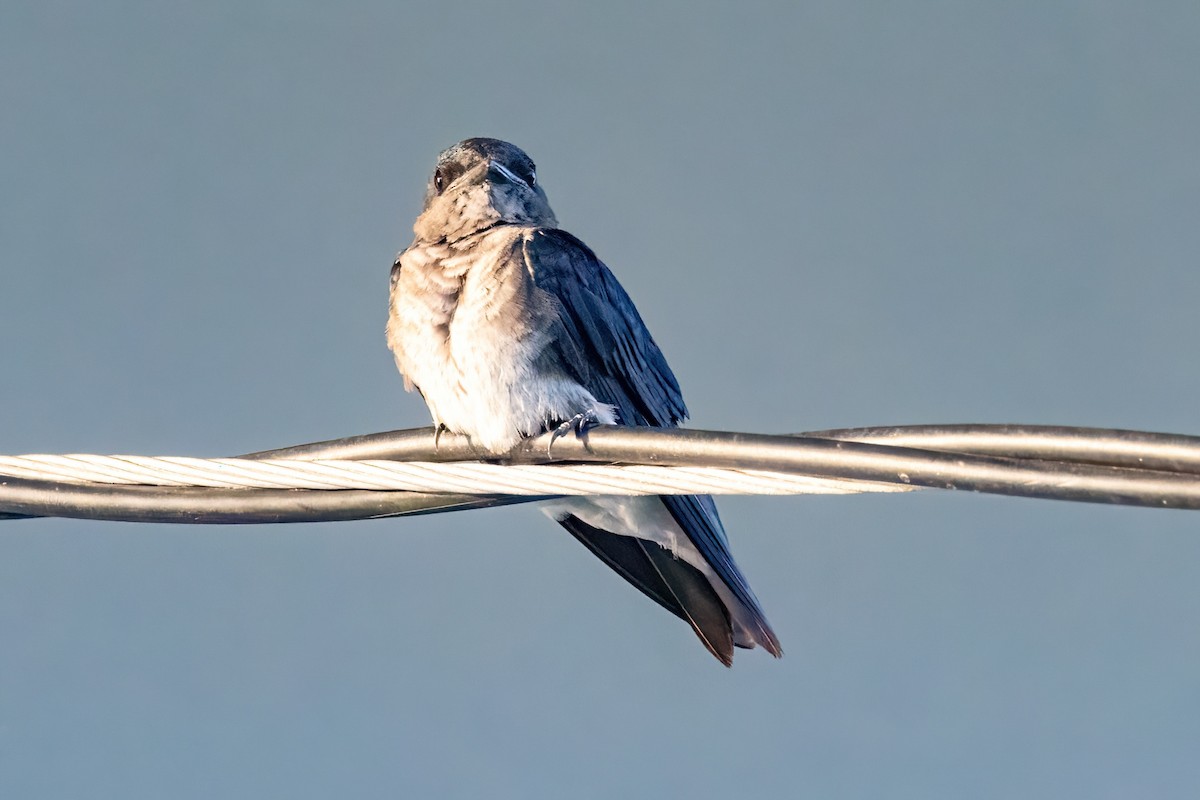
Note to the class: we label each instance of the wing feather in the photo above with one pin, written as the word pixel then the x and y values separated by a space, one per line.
pixel 604 345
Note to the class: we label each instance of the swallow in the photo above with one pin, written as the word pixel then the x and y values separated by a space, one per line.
pixel 510 327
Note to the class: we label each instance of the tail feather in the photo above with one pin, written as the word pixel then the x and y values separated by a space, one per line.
pixel 675 585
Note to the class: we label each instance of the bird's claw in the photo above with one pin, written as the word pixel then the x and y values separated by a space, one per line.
pixel 578 423
pixel 437 434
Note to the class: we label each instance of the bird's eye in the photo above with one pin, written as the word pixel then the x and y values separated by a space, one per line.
pixel 445 175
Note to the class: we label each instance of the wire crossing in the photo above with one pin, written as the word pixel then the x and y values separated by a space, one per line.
pixel 412 472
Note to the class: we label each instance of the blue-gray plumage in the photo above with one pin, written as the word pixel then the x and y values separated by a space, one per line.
pixel 510 327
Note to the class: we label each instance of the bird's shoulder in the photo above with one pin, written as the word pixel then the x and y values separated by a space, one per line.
pixel 561 264
pixel 553 254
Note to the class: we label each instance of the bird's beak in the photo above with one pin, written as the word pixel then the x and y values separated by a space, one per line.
pixel 498 173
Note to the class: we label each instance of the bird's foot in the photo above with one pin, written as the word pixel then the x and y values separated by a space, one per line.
pixel 578 423
pixel 437 434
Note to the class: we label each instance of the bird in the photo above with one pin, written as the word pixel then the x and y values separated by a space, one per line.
pixel 510 327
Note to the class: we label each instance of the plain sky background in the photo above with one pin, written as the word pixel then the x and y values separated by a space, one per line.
pixel 830 215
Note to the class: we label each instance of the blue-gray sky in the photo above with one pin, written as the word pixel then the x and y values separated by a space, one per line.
pixel 829 216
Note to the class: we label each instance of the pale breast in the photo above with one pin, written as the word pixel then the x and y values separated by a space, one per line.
pixel 467 327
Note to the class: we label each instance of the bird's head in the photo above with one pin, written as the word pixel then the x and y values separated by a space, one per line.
pixel 480 183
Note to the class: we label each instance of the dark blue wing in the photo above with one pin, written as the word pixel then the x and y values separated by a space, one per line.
pixel 605 346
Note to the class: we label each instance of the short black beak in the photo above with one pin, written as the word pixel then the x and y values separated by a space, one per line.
pixel 498 173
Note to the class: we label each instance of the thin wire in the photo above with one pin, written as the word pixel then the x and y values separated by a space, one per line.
pixel 1087 465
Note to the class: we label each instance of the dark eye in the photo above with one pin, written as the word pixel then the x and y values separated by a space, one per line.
pixel 445 175
pixel 527 172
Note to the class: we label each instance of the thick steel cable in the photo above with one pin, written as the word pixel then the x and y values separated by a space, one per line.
pixel 1089 465
pixel 1099 446
pixel 22 499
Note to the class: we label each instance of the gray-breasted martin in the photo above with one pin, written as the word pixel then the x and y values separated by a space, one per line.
pixel 510 327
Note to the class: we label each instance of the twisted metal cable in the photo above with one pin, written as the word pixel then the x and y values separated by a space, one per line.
pixel 435 477
pixel 1089 465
